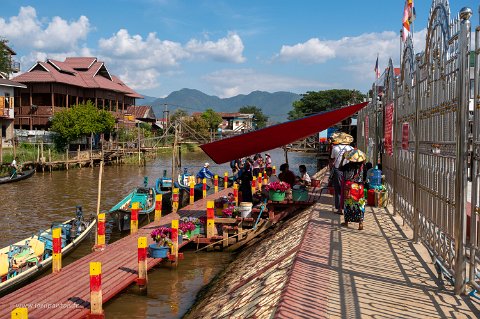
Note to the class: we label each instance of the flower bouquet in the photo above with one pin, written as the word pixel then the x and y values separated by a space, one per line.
pixel 163 242
pixel 187 228
pixel 276 190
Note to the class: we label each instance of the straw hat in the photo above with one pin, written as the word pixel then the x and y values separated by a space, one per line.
pixel 355 156
pixel 341 138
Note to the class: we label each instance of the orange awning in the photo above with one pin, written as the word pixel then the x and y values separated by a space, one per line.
pixel 271 137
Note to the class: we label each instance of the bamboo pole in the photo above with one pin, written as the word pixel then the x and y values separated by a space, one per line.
pixel 1 146
pixel 99 192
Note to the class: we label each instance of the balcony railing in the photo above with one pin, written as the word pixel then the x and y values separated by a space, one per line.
pixel 15 67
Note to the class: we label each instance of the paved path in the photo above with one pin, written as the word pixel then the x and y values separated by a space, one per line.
pixel 375 273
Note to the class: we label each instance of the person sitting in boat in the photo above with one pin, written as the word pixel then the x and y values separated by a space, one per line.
pixel 204 173
pixel 14 168
pixel 304 179
pixel 286 175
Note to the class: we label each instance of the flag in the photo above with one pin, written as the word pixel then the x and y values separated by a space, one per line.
pixel 408 18
pixel 377 71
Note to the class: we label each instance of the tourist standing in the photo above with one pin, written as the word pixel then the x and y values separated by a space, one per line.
pixel 245 183
pixel 341 143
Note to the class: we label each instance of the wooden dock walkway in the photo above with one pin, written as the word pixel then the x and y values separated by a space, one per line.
pixel 67 294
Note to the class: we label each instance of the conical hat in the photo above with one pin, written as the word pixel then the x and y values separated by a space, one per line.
pixel 355 156
pixel 341 138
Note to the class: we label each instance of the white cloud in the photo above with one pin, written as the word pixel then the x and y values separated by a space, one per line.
pixel 228 82
pixel 26 31
pixel 140 61
pixel 312 51
pixel 356 54
pixel 228 49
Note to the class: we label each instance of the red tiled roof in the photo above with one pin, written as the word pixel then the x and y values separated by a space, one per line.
pixel 82 72
pixel 141 112
pixel 80 62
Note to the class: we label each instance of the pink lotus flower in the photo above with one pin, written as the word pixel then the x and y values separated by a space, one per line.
pixel 277 186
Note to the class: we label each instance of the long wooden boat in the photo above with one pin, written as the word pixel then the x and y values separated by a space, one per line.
pixel 145 196
pixel 29 257
pixel 20 175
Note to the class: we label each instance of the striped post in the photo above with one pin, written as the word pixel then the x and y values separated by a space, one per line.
pixel 265 179
pixel 134 218
pixel 96 310
pixel 274 170
pixel 235 193
pixel 204 188
pixel 254 186
pixel 215 184
pixel 175 239
pixel 57 250
pixel 19 313
pixel 210 218
pixel 225 180
pixel 192 192
pixel 100 232
pixel 142 263
pixel 259 181
pixel 158 207
pixel 175 200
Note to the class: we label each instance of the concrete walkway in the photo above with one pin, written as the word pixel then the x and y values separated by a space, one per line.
pixel 375 273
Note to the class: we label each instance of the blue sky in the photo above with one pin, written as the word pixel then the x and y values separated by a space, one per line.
pixel 222 48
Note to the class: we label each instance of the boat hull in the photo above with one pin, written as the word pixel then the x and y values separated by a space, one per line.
pixel 20 176
pixel 37 269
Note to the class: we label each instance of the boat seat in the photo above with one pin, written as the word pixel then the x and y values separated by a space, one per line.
pixel 23 256
pixel 37 246
pixel 46 238
pixel 4 265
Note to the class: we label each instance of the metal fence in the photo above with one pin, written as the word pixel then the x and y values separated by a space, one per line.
pixel 421 131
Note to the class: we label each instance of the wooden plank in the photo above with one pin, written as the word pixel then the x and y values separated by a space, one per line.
pixel 118 273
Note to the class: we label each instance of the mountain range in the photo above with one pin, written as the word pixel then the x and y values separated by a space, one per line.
pixel 274 105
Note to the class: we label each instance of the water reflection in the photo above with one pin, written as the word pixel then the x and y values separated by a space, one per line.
pixel 34 204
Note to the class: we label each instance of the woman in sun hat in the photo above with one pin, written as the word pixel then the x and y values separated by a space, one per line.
pixel 352 168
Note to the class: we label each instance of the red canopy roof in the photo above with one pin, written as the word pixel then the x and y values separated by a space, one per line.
pixel 271 137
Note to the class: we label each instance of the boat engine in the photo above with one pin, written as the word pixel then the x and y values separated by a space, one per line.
pixel 78 224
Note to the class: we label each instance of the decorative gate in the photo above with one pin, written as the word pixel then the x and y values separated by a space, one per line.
pixel 475 169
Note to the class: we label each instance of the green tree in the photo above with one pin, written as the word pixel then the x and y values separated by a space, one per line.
pixel 315 102
pixel 259 119
pixel 80 120
pixel 199 125
pixel 212 118
pixel 5 60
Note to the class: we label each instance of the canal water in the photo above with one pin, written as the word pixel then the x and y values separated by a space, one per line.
pixel 33 204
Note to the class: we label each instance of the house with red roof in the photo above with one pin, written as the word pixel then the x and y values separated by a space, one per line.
pixel 55 85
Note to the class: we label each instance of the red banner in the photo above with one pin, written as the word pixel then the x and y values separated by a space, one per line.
pixel 405 132
pixel 389 129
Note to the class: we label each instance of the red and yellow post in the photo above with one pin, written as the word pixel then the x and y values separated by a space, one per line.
pixel 158 207
pixel 274 170
pixel 175 200
pixel 100 232
pixel 265 179
pixel 192 192
pixel 225 180
pixel 175 239
pixel 215 183
pixel 19 313
pixel 259 181
pixel 57 250
pixel 134 218
pixel 210 218
pixel 204 188
pixel 254 186
pixel 96 302
pixel 235 193
pixel 142 263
